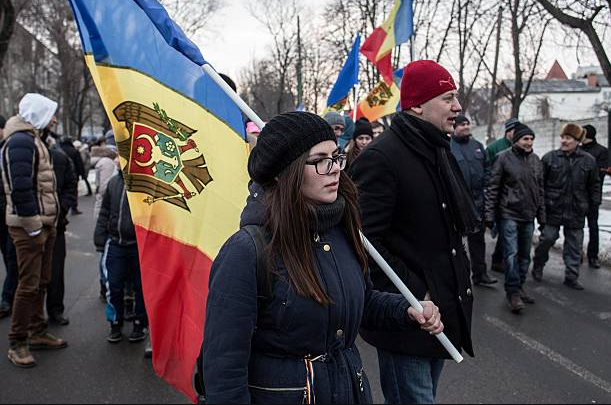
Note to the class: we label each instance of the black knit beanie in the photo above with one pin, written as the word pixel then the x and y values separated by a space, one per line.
pixel 460 119
pixel 362 127
pixel 521 131
pixel 590 131
pixel 284 139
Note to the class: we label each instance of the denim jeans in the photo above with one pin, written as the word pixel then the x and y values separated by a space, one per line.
pixel 407 379
pixel 517 245
pixel 573 243
pixel 121 264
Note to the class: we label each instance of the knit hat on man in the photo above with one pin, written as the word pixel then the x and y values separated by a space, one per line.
pixel 2 122
pixel 521 131
pixel 362 127
pixel 511 124
pixel 335 118
pixel 574 131
pixel 461 119
pixel 284 139
pixel 423 80
pixel 590 131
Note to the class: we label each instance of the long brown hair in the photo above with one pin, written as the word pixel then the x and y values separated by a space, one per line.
pixel 289 218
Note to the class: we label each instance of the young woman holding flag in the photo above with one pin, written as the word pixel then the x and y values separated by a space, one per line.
pixel 283 314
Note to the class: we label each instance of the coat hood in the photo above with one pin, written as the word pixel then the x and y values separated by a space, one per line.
pixel 37 110
pixel 17 124
pixel 255 211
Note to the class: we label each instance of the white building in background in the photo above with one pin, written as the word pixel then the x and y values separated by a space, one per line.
pixel 586 95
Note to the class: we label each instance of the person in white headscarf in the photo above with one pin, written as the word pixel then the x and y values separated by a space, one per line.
pixel 32 215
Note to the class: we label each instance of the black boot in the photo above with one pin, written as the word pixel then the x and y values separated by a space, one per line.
pixel 595 263
pixel 574 284
pixel 537 273
pixel 484 280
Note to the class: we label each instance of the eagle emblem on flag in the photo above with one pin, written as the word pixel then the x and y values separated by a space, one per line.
pixel 164 161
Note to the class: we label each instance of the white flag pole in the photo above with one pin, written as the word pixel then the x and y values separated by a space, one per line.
pixel 233 95
pixel 413 301
pixel 356 101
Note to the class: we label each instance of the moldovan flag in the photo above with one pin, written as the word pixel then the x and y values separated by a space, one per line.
pixel 396 30
pixel 184 157
pixel 380 102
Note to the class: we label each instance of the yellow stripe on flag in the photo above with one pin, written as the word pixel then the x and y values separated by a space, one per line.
pixel 209 217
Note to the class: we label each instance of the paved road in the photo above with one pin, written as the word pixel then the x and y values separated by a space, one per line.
pixel 559 351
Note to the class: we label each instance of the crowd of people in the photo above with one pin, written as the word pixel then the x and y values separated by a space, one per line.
pixel 291 291
pixel 40 175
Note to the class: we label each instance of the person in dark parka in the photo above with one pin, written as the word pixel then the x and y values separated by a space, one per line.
pixel 601 154
pixel 67 146
pixel 416 208
pixel 297 345
pixel 475 168
pixel 9 254
pixel 572 188
pixel 67 190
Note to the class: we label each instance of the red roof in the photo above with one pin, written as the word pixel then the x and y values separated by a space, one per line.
pixel 556 73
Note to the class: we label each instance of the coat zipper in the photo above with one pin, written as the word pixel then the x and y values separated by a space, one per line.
pixel 359 375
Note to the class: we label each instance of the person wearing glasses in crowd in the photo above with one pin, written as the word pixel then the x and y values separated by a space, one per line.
pixel 289 291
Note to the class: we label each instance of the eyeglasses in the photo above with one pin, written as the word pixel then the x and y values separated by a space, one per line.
pixel 325 165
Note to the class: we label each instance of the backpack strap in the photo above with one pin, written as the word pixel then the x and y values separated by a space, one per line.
pixel 264 294
pixel 264 279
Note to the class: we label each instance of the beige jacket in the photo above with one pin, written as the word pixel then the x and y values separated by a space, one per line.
pixel 29 185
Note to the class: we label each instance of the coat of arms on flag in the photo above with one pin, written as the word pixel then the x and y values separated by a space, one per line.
pixel 164 162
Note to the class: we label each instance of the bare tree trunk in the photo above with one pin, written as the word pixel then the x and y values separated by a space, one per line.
pixel 491 110
pixel 7 25
pixel 516 100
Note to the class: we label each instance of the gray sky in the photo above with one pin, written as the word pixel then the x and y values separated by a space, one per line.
pixel 236 37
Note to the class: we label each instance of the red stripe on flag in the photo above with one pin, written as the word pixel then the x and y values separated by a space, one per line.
pixel 385 68
pixel 372 45
pixel 175 284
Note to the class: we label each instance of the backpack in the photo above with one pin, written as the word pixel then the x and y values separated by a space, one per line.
pixel 264 294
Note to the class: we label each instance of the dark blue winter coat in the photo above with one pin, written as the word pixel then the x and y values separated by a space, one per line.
pixel 471 157
pixel 254 350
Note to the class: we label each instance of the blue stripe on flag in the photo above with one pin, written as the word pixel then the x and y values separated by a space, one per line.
pixel 404 22
pixel 348 77
pixel 133 40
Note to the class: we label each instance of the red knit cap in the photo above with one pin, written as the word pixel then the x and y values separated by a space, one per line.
pixel 423 80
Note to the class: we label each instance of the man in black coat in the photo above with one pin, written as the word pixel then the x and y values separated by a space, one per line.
pixel 9 254
pixel 416 208
pixel 471 157
pixel 601 154
pixel 513 201
pixel 67 186
pixel 68 147
pixel 572 188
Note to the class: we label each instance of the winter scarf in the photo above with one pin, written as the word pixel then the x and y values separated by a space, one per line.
pixel 463 211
